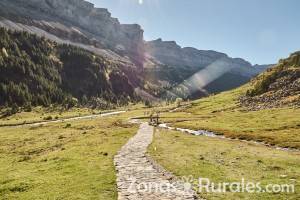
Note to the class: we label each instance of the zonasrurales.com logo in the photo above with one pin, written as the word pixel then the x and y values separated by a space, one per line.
pixel 191 185
pixel 164 186
pixel 188 183
pixel 242 186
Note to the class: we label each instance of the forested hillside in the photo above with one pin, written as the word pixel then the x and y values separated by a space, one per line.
pixel 36 71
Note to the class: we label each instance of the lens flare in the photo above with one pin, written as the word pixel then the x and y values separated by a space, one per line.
pixel 202 78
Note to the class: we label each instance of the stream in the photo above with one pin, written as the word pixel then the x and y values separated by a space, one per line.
pixel 214 135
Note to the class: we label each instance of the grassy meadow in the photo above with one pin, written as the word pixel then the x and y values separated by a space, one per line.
pixel 223 160
pixel 72 160
pixel 227 161
pixel 45 114
pixel 222 114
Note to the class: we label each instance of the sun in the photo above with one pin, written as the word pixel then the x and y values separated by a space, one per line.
pixel 141 2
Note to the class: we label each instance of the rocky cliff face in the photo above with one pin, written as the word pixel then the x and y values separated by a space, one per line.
pixel 77 21
pixel 196 72
pixel 170 53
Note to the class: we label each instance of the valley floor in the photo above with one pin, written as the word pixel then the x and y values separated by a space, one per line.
pixel 220 161
pixel 74 159
pixel 68 160
pixel 223 115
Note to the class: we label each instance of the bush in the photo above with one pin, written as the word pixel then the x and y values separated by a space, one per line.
pixel 48 118
pixel 28 107
pixel 11 111
pixel 148 104
pixel 68 125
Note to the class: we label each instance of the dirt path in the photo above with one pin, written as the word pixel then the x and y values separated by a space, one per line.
pixel 63 120
pixel 139 178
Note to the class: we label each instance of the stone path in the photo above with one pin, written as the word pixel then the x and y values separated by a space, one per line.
pixel 139 178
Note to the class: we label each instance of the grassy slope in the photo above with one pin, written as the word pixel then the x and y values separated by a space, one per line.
pixel 227 161
pixel 54 162
pixel 39 114
pixel 222 114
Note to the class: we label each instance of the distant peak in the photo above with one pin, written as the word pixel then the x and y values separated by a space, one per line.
pixel 167 44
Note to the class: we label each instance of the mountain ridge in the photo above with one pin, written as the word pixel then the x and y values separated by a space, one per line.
pixel 195 57
pixel 79 23
pixel 197 72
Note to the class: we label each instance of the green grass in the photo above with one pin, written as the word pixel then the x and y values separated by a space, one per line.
pixel 222 114
pixel 39 114
pixel 227 161
pixel 42 114
pixel 61 161
pixel 74 160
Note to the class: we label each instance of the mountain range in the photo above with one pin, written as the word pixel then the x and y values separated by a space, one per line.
pixel 155 69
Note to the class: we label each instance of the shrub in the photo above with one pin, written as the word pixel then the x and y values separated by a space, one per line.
pixel 148 104
pixel 48 118
pixel 68 125
pixel 28 107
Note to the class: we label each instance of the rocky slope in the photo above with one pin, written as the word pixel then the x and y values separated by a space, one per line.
pixel 277 87
pixel 75 21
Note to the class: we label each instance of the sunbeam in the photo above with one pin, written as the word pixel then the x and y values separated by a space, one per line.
pixel 201 79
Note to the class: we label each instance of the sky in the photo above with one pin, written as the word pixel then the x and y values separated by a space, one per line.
pixel 260 31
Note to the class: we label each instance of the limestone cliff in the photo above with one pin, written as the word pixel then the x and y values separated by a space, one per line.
pixel 193 73
pixel 77 21
pixel 170 53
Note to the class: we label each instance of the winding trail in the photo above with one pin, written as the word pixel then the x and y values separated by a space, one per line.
pixel 140 178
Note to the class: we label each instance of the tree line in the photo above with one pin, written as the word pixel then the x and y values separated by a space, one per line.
pixel 35 71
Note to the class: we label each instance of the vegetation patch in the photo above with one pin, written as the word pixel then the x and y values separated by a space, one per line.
pixel 224 115
pixel 53 162
pixel 226 161
pixel 278 87
pixel 35 71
